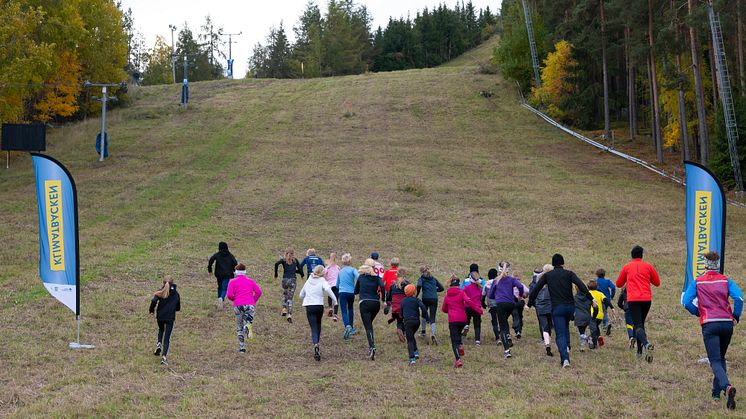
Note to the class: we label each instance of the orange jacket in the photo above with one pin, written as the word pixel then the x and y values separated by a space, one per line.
pixel 638 275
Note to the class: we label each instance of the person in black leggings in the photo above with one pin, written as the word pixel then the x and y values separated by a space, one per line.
pixel 371 291
pixel 488 302
pixel 410 309
pixel 312 294
pixel 168 302
pixel 429 286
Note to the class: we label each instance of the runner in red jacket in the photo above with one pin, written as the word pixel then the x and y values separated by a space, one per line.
pixel 638 276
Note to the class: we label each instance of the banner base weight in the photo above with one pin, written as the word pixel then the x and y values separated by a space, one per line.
pixel 77 345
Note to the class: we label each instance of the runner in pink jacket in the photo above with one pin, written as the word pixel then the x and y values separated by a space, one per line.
pixel 455 305
pixel 244 292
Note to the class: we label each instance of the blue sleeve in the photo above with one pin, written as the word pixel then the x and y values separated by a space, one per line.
pixel 357 274
pixel 737 296
pixel 613 288
pixel 687 300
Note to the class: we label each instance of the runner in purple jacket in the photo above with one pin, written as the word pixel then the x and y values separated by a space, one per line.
pixel 501 292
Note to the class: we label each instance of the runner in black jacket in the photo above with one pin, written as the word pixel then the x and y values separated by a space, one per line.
pixel 168 302
pixel 411 309
pixel 224 263
pixel 559 282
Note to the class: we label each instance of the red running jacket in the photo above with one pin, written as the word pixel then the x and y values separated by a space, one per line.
pixel 638 275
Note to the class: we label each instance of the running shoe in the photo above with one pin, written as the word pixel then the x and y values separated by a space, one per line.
pixel 648 352
pixel 157 349
pixel 335 318
pixel 465 331
pixel 422 334
pixel 433 340
pixel 632 342
pixel 348 331
pixel 583 343
pixel 242 350
pixel 477 343
pixel 284 311
pixel 330 312
pixel 601 341
pixel 372 354
pixel 549 351
pixel 461 351
pixel 416 355
pixel 317 353
pixel 248 331
pixel 400 334
pixel 459 363
pixel 164 361
pixel 411 362
pixel 608 329
pixel 353 331
pixel 566 363
pixel 290 318
pixel 730 398
pixel 518 335
pixel 508 354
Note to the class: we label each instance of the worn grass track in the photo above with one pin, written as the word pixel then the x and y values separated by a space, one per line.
pixel 414 164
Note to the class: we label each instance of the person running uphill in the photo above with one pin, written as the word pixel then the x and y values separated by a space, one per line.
pixel 389 277
pixel 488 302
pixel 638 276
pixel 332 274
pixel 312 295
pixel 607 288
pixel 290 268
pixel 346 283
pixel 717 319
pixel 370 289
pixel 244 292
pixel 629 323
pixel 559 282
pixel 410 310
pixel 311 261
pixel 543 309
pixel 224 262
pixel 474 291
pixel 598 314
pixel 168 301
pixel 429 287
pixel 502 294
pixel 394 296
pixel 455 305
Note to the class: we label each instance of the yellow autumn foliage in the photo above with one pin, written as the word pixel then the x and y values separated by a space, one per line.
pixel 555 80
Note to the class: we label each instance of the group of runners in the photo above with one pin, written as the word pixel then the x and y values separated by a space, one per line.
pixel 557 294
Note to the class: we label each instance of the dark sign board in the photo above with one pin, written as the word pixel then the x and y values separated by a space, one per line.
pixel 24 137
